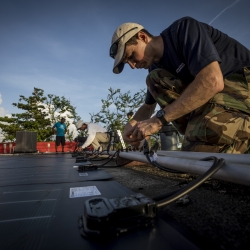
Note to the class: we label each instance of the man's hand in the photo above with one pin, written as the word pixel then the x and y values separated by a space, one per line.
pixel 80 149
pixel 127 134
pixel 145 129
pixel 142 114
pixel 140 130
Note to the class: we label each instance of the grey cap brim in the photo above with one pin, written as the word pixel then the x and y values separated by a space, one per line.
pixel 118 64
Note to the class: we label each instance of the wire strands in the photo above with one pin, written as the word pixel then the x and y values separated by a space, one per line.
pixel 153 149
pixel 155 164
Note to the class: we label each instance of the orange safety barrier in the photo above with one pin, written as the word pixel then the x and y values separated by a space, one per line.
pixel 41 147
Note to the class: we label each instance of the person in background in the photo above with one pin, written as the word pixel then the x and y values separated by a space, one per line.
pixel 130 115
pixel 59 129
pixel 96 134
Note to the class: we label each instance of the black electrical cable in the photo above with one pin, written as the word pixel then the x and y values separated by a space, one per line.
pixel 164 196
pixel 98 158
pixel 112 166
pixel 194 184
pixel 103 164
pixel 155 164
pixel 147 152
pixel 109 159
pixel 94 157
pixel 115 166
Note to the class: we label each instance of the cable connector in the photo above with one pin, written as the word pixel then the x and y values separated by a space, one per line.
pixel 152 153
pixel 153 157
pixel 105 218
pixel 83 168
pixel 81 159
pixel 145 147
pixel 154 148
pixel 74 154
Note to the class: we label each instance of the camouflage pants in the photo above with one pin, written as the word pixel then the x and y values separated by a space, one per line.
pixel 213 127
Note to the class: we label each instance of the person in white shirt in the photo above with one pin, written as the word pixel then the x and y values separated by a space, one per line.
pixel 96 134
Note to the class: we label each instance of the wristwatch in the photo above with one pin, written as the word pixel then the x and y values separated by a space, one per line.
pixel 160 115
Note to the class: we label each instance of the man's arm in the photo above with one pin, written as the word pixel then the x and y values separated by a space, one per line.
pixel 65 129
pixel 208 82
pixel 88 141
pixel 53 129
pixel 91 136
pixel 143 113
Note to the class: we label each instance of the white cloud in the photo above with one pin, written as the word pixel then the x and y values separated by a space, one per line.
pixel 3 112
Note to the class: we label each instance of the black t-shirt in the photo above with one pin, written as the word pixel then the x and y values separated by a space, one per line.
pixel 189 46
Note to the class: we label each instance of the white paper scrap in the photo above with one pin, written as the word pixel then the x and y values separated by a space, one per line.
pixel 83 174
pixel 77 192
pixel 153 157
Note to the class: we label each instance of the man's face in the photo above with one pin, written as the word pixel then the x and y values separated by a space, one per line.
pixel 83 127
pixel 62 120
pixel 139 55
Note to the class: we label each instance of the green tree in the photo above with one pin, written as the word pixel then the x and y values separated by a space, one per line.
pixel 40 113
pixel 115 108
pixel 58 106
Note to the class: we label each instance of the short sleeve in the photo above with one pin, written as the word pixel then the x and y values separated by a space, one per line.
pixel 196 45
pixel 149 98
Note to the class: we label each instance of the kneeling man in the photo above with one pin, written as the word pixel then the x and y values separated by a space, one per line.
pixel 96 134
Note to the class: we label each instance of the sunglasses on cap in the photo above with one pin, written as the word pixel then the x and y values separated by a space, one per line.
pixel 114 47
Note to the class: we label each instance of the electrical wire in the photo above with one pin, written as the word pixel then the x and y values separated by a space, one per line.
pixel 192 185
pixel 97 158
pixel 155 164
pixel 148 152
pixel 103 164
pixel 164 196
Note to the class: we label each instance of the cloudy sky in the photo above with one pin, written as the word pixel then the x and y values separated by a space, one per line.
pixel 62 46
